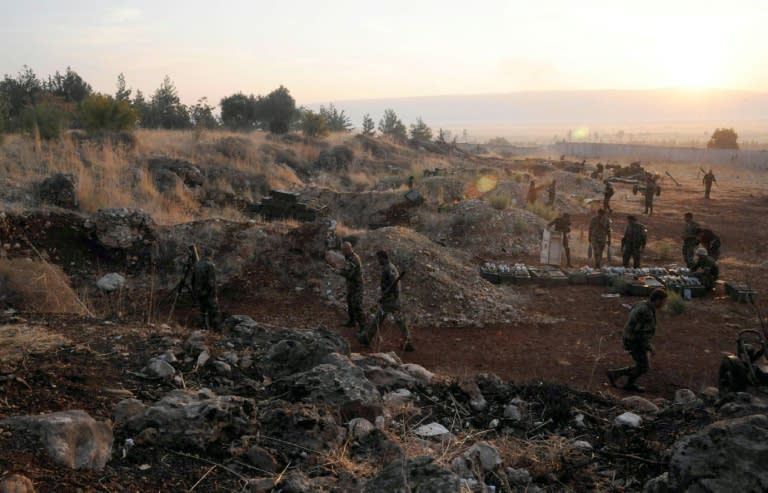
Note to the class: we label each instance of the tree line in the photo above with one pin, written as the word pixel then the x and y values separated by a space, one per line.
pixel 66 101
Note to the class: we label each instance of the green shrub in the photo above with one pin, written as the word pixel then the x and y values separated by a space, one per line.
pixel 101 112
pixel 665 249
pixel 542 210
pixel 519 227
pixel 675 303
pixel 499 202
pixel 49 118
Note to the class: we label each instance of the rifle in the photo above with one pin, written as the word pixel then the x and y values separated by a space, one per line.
pixel 673 178
pixel 192 258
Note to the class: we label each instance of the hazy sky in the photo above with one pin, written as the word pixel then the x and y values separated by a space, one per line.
pixel 335 50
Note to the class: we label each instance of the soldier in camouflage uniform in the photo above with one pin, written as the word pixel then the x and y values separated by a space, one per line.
pixel 353 273
pixel 689 239
pixel 562 225
pixel 706 269
pixel 389 304
pixel 607 194
pixel 638 333
pixel 599 236
pixel 633 242
pixel 204 289
pixel 651 190
pixel 708 180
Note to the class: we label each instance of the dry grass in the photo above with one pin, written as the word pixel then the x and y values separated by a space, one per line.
pixel 38 287
pixel 19 340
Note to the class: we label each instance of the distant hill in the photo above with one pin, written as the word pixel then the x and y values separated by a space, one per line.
pixel 552 108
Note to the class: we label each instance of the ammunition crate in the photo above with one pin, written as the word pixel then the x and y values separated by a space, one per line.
pixel 577 277
pixel 507 277
pixel 740 292
pixel 596 279
pixel 490 276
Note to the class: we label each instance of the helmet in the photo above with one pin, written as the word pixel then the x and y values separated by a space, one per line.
pixel 701 251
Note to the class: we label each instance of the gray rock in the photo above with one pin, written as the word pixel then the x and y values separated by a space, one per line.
pixel 195 343
pixel 295 428
pixel 418 372
pixel 483 454
pixel 431 430
pixel 518 477
pixel 727 455
pixel 388 377
pixel 582 444
pixel 744 404
pixel 202 359
pixel 128 409
pixel 123 228
pixel 260 485
pixel 341 385
pixel 512 413
pixel 418 474
pixel 360 427
pixel 290 351
pixel 659 484
pixel 241 326
pixel 222 367
pixel 187 419
pixel 630 420
pixel 71 438
pixel 261 459
pixel 160 369
pixel 111 282
pixel 687 398
pixel 59 189
pixel 637 403
pixel 295 482
pixel 399 396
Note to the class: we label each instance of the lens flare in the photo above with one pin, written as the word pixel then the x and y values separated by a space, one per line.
pixel 486 183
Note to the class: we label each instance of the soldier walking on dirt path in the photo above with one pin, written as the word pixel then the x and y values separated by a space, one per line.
pixel 562 225
pixel 651 190
pixel 638 333
pixel 389 304
pixel 709 240
pixel 552 191
pixel 708 180
pixel 633 242
pixel 204 289
pixel 705 269
pixel 599 236
pixel 353 274
pixel 690 240
pixel 607 194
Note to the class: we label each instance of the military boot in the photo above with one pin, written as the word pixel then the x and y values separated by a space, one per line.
pixel 615 375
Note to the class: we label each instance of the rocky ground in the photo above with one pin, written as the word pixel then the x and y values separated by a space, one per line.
pixel 121 393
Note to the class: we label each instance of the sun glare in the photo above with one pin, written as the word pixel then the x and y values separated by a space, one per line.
pixel 692 58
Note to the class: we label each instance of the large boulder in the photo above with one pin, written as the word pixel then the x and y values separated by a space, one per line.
pixel 122 228
pixel 193 420
pixel 71 438
pixel 418 474
pixel 59 189
pixel 727 455
pixel 282 352
pixel 295 429
pixel 166 172
pixel 338 383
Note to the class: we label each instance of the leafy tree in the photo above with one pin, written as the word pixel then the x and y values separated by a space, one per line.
pixel 165 109
pixel 122 94
pixel 18 93
pixel 48 117
pixel 277 110
pixel 337 121
pixel 369 127
pixel 313 124
pixel 391 126
pixel 238 112
pixel 724 138
pixel 103 112
pixel 420 130
pixel 202 114
pixel 70 86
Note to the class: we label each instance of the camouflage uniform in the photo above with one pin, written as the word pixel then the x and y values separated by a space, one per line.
pixel 689 242
pixel 607 194
pixel 204 288
pixel 709 240
pixel 353 273
pixel 638 332
pixel 389 304
pixel 633 243
pixel 650 191
pixel 709 178
pixel 599 237
pixel 709 271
